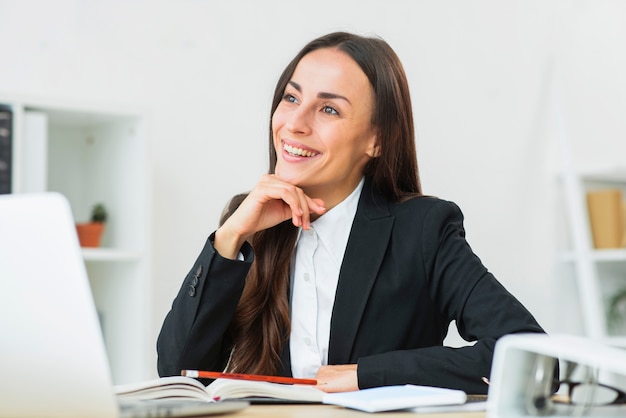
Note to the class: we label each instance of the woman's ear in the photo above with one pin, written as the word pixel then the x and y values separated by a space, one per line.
pixel 374 150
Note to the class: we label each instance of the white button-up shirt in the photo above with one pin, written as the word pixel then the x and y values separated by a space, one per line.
pixel 315 273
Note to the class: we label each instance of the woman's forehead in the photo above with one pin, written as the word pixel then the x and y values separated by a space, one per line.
pixel 333 71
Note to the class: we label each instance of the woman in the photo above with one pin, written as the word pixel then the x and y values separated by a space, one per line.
pixel 335 266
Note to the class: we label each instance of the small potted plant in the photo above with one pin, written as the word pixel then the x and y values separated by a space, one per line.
pixel 89 233
pixel 617 309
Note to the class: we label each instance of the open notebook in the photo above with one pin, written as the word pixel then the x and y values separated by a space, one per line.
pixel 53 361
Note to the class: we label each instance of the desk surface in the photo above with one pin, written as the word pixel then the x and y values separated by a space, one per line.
pixel 329 411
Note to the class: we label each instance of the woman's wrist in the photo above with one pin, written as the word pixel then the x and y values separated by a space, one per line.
pixel 227 243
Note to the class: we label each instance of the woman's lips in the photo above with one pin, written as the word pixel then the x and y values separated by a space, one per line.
pixel 299 151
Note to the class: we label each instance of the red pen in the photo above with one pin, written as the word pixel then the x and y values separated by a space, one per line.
pixel 242 376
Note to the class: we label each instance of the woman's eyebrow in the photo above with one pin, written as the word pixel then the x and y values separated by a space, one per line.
pixel 321 95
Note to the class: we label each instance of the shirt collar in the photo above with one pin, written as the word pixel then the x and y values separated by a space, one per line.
pixel 333 228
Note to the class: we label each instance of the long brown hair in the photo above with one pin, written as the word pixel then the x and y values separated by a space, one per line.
pixel 261 325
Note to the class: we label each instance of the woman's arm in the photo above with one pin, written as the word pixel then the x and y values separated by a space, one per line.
pixel 270 203
pixel 462 290
pixel 194 333
pixel 458 368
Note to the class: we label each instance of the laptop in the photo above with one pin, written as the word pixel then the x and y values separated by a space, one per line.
pixel 53 361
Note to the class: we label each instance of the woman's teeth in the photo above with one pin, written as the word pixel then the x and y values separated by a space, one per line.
pixel 299 152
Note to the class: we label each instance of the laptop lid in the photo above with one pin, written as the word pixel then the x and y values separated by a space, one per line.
pixel 53 360
pixel 52 357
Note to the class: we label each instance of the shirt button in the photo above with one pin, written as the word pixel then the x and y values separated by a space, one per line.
pixel 307 277
pixel 307 341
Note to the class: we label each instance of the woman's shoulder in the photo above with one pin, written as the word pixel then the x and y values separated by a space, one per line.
pixel 424 204
pixel 426 213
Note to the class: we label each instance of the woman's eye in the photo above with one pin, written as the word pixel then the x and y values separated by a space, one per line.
pixel 330 110
pixel 290 98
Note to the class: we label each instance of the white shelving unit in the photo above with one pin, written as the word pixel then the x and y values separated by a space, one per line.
pixel 94 154
pixel 599 273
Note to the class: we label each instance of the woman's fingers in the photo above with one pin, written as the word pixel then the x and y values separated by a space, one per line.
pixel 305 218
pixel 313 207
pixel 274 200
pixel 302 206
pixel 271 202
pixel 341 378
pixel 317 206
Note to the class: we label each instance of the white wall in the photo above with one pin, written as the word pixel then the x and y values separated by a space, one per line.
pixel 482 75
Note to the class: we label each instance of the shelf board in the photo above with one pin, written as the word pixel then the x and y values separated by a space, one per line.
pixel 611 175
pixel 617 254
pixel 109 254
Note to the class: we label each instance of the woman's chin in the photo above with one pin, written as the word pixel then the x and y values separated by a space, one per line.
pixel 288 176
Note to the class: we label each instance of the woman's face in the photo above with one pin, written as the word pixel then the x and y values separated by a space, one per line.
pixel 322 128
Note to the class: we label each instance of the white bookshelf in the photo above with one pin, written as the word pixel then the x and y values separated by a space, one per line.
pixel 96 154
pixel 598 272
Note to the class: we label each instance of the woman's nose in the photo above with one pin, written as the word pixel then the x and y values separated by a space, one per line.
pixel 299 121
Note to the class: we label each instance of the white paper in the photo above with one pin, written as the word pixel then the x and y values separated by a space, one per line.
pixel 389 398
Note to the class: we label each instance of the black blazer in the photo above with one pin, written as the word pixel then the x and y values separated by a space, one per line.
pixel 407 273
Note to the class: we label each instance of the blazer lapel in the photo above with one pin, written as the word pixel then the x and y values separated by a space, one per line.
pixel 365 250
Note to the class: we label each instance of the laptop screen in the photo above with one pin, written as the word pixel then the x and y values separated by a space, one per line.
pixel 52 356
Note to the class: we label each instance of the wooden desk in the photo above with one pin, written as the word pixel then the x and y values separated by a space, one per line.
pixel 329 411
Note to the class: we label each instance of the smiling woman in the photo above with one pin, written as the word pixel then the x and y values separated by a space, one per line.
pixel 326 117
pixel 335 266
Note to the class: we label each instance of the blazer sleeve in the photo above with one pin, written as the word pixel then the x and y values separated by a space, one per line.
pixel 194 334
pixel 463 290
